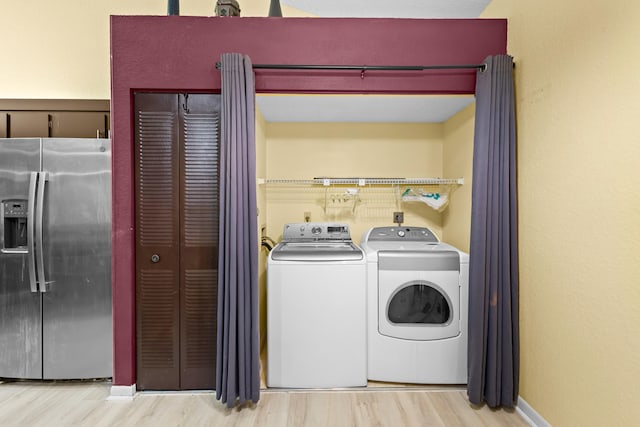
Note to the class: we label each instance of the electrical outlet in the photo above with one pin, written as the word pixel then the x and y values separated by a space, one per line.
pixel 398 217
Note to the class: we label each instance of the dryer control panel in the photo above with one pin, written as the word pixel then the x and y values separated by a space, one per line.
pixel 396 234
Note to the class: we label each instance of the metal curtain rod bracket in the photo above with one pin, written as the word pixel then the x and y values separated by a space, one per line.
pixel 363 68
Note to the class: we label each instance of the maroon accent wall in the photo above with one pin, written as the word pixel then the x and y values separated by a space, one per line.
pixel 178 53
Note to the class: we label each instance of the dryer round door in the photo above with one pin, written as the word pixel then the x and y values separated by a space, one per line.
pixel 419 305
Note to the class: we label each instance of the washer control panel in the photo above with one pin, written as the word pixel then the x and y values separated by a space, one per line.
pixel 313 231
pixel 396 234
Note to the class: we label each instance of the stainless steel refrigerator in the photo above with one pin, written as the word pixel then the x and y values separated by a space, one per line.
pixel 55 258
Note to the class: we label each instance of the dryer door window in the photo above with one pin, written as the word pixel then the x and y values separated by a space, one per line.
pixel 419 303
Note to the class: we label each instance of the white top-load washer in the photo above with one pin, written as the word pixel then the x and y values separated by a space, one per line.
pixel 417 307
pixel 316 309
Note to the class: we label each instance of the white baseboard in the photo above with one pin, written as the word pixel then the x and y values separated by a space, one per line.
pixel 122 392
pixel 530 415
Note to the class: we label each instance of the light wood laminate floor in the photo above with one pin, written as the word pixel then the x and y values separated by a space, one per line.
pixel 32 404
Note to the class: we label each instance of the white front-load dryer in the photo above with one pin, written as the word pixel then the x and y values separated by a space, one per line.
pixel 417 291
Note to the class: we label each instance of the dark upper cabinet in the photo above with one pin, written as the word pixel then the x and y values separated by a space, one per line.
pixel 54 118
pixel 27 124
pixel 79 124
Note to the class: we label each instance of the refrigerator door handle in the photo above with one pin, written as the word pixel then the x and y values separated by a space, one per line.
pixel 33 179
pixel 44 286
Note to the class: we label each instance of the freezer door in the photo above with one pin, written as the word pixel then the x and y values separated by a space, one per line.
pixel 77 337
pixel 20 308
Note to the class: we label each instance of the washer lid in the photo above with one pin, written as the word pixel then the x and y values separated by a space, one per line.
pixel 327 250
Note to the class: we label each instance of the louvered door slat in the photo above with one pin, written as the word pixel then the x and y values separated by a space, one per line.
pixel 200 178
pixel 157 349
pixel 200 317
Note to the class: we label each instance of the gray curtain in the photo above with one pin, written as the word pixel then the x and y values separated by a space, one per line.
pixel 493 271
pixel 238 367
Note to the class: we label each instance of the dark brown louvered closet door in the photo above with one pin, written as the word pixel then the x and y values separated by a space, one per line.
pixel 199 240
pixel 176 154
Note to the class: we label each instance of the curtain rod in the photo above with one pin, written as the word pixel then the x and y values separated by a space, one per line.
pixel 364 67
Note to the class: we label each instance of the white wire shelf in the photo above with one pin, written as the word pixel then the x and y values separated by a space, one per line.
pixel 363 181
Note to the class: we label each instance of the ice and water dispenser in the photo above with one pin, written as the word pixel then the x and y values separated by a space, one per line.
pixel 14 218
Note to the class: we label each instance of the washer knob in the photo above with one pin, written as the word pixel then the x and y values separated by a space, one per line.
pixel 401 233
pixel 316 230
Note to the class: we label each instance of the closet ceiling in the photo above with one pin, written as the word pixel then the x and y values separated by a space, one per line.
pixel 370 108
pixel 361 108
